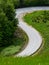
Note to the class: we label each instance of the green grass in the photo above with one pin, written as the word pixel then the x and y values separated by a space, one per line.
pixel 40 21
pixel 37 60
pixel 42 58
pixel 20 40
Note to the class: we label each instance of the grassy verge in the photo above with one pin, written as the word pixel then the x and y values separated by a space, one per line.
pixel 40 21
pixel 20 40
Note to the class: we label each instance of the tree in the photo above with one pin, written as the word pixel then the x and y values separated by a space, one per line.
pixel 8 23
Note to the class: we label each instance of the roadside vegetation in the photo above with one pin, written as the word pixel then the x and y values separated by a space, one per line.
pixel 12 38
pixel 40 21
pixel 28 3
pixel 20 40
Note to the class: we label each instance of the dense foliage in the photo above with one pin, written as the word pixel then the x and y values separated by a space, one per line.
pixel 8 23
pixel 12 38
pixel 28 3
pixel 35 2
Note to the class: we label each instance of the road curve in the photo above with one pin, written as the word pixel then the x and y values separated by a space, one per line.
pixel 35 39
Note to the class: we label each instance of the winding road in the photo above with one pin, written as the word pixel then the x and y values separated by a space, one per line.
pixel 35 39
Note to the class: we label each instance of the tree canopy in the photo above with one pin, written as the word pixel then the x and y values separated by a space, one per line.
pixel 8 22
